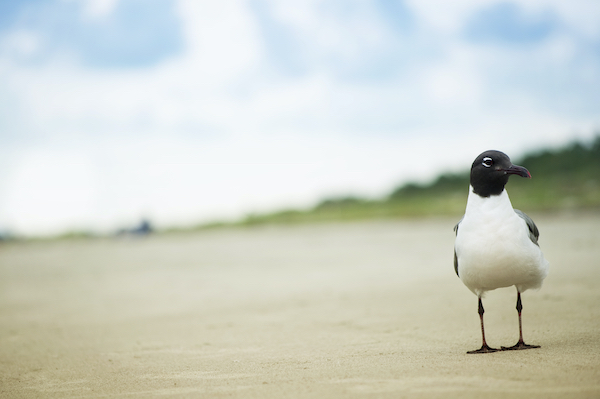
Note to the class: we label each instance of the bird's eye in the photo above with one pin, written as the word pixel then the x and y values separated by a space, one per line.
pixel 487 162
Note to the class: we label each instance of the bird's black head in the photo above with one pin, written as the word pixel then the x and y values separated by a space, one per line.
pixel 490 172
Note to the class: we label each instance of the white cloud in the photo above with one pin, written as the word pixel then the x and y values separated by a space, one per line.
pixel 222 39
pixel 345 30
pixel 95 9
pixel 22 43
pixel 445 17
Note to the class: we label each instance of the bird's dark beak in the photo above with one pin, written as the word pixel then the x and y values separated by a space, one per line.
pixel 518 170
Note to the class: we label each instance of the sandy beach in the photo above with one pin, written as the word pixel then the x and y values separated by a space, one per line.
pixel 360 310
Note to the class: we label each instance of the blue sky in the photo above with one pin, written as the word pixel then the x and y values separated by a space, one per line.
pixel 188 111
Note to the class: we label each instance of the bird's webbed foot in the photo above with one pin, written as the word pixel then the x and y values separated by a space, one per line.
pixel 484 349
pixel 519 346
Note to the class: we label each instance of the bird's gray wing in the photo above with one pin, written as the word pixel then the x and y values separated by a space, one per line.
pixel 534 233
pixel 455 258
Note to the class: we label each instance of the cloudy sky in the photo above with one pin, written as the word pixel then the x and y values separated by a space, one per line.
pixel 185 111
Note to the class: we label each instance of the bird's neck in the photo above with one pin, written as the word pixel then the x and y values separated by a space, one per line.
pixel 496 204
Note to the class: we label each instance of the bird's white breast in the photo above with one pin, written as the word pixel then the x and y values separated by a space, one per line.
pixel 493 247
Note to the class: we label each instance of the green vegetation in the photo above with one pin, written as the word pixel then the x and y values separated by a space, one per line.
pixel 566 178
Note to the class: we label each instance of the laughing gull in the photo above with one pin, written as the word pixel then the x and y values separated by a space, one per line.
pixel 497 246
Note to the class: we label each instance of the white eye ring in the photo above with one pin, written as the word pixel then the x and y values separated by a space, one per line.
pixel 487 162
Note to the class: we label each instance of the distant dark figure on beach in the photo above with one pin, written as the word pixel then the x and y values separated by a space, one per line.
pixel 143 229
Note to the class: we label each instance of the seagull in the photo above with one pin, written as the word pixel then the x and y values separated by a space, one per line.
pixel 497 246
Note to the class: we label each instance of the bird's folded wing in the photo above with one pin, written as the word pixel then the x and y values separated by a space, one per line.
pixel 455 258
pixel 534 233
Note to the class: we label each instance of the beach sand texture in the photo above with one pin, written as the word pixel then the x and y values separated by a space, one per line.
pixel 354 310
